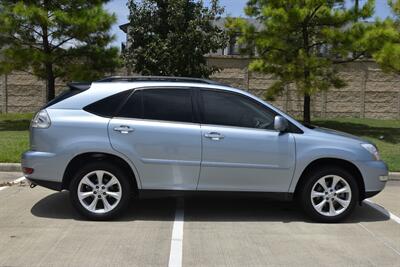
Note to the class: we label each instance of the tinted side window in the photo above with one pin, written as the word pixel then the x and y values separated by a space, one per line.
pixel 230 109
pixel 133 107
pixel 107 107
pixel 160 104
pixel 168 105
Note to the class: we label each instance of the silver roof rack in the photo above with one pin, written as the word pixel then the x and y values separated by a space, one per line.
pixel 157 79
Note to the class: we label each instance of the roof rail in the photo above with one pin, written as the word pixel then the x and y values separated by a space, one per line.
pixel 157 79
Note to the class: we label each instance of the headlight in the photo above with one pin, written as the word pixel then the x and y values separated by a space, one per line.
pixel 41 120
pixel 372 149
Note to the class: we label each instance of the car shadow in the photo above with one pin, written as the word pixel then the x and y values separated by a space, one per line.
pixel 58 206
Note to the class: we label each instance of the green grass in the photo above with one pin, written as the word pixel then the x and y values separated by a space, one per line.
pixel 14 136
pixel 384 133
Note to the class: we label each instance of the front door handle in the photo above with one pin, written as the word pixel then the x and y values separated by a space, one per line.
pixel 214 136
pixel 123 129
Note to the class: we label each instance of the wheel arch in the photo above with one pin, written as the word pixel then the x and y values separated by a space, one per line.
pixel 344 164
pixel 79 160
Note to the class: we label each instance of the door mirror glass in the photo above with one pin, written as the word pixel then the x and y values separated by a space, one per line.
pixel 280 123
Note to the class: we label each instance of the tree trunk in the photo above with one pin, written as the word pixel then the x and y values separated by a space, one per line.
pixel 50 79
pixel 50 83
pixel 307 100
pixel 356 7
pixel 306 110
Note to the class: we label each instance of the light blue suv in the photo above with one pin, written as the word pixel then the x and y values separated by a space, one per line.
pixel 121 137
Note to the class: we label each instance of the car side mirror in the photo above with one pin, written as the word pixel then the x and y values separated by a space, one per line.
pixel 280 123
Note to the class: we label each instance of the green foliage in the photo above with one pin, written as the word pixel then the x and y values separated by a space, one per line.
pixel 385 134
pixel 14 135
pixel 383 40
pixel 56 39
pixel 300 42
pixel 171 37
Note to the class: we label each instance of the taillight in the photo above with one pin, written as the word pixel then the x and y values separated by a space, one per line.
pixel 41 120
pixel 27 170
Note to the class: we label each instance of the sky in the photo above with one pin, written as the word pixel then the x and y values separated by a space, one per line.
pixel 232 8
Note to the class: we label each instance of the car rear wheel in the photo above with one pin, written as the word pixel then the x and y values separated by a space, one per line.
pixel 329 195
pixel 100 191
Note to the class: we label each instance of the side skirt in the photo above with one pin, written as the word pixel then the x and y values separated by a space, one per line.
pixel 149 193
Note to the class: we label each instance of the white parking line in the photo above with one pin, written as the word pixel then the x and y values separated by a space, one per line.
pixel 386 213
pixel 175 255
pixel 384 242
pixel 16 181
pixel 20 179
pixel 382 210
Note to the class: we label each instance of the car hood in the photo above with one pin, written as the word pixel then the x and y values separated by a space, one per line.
pixel 336 134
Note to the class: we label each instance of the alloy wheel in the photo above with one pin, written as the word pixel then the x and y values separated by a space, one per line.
pixel 331 195
pixel 99 191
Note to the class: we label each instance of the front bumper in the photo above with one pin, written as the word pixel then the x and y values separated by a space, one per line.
pixel 373 173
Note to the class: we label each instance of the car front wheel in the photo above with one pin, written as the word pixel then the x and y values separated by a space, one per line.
pixel 100 191
pixel 329 195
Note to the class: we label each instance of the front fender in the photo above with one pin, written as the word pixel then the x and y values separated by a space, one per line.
pixel 304 157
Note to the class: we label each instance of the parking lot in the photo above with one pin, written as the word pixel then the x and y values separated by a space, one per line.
pixel 38 227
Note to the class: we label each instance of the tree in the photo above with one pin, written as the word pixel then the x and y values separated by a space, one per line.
pixel 301 41
pixel 383 41
pixel 56 39
pixel 171 37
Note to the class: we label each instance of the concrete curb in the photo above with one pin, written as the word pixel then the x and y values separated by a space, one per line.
pixel 10 167
pixel 16 167
pixel 394 176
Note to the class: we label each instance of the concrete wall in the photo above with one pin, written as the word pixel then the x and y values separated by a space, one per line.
pixel 369 92
pixel 21 92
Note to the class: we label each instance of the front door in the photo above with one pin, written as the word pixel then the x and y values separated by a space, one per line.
pixel 156 130
pixel 241 150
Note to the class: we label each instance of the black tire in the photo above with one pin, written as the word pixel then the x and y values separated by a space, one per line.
pixel 305 194
pixel 119 174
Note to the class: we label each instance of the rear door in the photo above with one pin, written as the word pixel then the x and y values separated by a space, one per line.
pixel 157 130
pixel 241 149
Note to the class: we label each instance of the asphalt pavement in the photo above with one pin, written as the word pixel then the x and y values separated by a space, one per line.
pixel 39 227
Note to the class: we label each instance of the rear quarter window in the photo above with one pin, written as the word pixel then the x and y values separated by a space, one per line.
pixel 107 107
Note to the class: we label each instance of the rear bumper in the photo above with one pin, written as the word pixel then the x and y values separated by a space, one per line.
pixel 48 184
pixel 47 168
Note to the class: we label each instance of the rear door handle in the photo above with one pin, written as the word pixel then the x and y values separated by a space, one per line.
pixel 123 129
pixel 214 136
